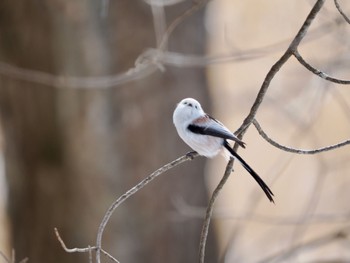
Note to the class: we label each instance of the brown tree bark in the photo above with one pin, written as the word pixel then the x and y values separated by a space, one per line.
pixel 71 152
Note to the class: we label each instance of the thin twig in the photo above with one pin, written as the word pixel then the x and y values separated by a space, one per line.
pixel 13 258
pixel 318 72
pixel 294 150
pixel 209 211
pixel 191 211
pixel 132 191
pixel 88 249
pixel 341 11
pixel 71 250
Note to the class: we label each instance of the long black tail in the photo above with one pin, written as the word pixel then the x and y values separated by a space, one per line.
pixel 257 178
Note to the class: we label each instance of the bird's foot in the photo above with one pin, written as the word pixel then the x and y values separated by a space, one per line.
pixel 191 155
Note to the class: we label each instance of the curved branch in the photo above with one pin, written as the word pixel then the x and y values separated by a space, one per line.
pixel 318 72
pixel 294 150
pixel 132 191
pixel 341 11
pixel 140 70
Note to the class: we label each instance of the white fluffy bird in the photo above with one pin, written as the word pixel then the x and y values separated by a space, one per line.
pixel 208 137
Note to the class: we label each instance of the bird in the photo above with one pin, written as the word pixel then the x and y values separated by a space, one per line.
pixel 209 137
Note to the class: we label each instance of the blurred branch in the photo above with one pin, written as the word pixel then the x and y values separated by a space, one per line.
pixel 209 211
pixel 132 191
pixel 13 258
pixel 142 67
pixel 4 257
pixel 318 72
pixel 104 8
pixel 59 81
pixel 159 22
pixel 176 22
pixel 146 64
pixel 150 60
pixel 341 11
pixel 294 150
pixel 314 243
pixel 191 211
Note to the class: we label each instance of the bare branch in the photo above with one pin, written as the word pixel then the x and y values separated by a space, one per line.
pixel 294 150
pixel 186 210
pixel 119 201
pixel 88 249
pixel 13 258
pixel 209 212
pixel 24 260
pixel 341 11
pixel 250 118
pixel 318 72
pixel 132 191
pixel 278 65
pixel 70 250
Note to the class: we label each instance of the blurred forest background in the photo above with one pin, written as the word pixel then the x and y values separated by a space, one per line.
pixel 86 102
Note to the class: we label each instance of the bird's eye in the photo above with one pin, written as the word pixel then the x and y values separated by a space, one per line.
pixel 196 107
pixel 185 102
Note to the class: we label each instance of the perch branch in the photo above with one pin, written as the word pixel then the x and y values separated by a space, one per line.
pixel 132 191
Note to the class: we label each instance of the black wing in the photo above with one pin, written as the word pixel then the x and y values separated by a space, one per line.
pixel 216 129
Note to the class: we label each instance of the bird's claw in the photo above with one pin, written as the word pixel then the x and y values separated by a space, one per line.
pixel 191 155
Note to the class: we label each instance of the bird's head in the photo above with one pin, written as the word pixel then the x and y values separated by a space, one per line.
pixel 187 110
